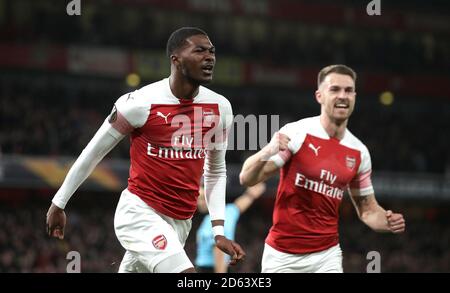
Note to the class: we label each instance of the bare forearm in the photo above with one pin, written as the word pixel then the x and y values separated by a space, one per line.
pixel 258 168
pixel 244 201
pixel 220 266
pixel 218 222
pixel 376 219
pixel 252 170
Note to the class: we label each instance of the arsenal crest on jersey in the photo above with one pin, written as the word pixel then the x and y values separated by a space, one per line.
pixel 208 116
pixel 350 162
pixel 160 242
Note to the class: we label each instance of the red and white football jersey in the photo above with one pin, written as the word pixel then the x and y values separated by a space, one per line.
pixel 315 171
pixel 170 138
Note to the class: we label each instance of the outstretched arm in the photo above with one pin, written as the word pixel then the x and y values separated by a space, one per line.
pixel 215 184
pixel 106 138
pixel 252 193
pixel 215 175
pixel 243 202
pixel 374 216
pixel 128 113
pixel 258 167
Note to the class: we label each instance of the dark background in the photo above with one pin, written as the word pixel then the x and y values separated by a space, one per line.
pixel 53 98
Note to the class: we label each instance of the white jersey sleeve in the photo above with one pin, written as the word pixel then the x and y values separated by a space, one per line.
pixel 215 172
pixel 130 111
pixel 102 143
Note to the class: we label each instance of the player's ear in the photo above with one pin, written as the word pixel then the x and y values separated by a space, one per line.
pixel 174 60
pixel 318 96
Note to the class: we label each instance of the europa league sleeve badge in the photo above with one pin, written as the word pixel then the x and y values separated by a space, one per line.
pixel 113 116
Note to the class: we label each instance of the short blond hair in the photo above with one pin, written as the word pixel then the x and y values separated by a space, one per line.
pixel 337 68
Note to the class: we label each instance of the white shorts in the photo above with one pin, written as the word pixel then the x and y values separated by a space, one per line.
pixel 154 242
pixel 326 261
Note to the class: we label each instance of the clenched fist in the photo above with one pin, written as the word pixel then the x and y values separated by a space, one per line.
pixel 279 142
pixel 396 222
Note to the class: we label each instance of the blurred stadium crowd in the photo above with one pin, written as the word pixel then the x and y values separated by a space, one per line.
pixel 24 246
pixel 399 136
pixel 267 36
pixel 48 112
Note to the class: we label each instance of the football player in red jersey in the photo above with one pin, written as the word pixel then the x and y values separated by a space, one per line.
pixel 318 158
pixel 171 123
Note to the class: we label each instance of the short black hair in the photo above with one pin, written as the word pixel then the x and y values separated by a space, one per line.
pixel 178 38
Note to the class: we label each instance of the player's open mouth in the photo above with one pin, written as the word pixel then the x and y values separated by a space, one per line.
pixel 341 106
pixel 208 69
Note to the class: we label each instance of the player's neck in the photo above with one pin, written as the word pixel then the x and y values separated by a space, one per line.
pixel 182 88
pixel 334 129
